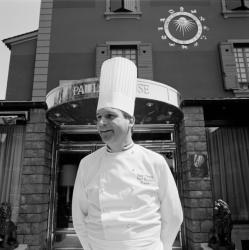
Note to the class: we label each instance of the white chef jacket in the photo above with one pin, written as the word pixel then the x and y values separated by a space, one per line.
pixel 126 201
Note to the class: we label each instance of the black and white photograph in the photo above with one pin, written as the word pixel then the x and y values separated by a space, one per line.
pixel 124 124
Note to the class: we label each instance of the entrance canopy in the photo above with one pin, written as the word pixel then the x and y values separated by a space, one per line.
pixel 74 102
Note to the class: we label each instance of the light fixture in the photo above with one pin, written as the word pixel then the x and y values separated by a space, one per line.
pixel 74 105
pixel 57 114
pixel 149 104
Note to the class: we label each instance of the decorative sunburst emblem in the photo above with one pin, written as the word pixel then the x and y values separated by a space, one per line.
pixel 184 25
pixel 183 28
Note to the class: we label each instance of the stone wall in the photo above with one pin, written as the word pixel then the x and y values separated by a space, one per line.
pixel 35 182
pixel 197 194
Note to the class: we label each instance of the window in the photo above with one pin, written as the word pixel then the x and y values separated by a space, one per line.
pixel 241 55
pixel 139 53
pixel 235 8
pixel 122 9
pixel 122 5
pixel 129 52
pixel 228 149
pixel 235 67
pixel 11 153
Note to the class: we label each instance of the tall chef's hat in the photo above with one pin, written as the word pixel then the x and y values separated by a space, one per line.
pixel 118 81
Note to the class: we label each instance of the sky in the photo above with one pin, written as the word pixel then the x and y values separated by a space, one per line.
pixel 16 17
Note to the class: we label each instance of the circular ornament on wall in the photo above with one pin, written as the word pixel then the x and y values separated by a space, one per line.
pixel 183 28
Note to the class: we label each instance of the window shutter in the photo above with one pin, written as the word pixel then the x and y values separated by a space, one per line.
pixel 130 5
pixel 145 67
pixel 228 66
pixel 247 3
pixel 102 54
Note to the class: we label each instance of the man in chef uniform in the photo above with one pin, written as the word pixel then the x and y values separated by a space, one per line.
pixel 125 197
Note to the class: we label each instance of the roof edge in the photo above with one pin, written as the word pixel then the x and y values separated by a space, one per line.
pixel 200 102
pixel 22 105
pixel 20 38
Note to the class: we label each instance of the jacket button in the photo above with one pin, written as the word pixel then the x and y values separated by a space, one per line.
pixel 128 225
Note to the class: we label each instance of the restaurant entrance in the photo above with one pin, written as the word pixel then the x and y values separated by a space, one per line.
pixel 73 144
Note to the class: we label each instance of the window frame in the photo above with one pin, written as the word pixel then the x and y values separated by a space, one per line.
pixel 245 42
pixel 238 89
pixel 227 13
pixel 112 15
pixel 144 56
pixel 245 61
pixel 124 48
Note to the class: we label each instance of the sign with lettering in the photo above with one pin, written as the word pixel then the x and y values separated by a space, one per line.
pixel 74 102
pixel 72 90
pixel 157 91
pixel 84 89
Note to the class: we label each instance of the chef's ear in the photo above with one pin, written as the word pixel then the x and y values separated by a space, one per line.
pixel 130 118
pixel 131 121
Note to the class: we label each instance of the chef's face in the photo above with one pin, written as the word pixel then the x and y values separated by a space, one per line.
pixel 114 127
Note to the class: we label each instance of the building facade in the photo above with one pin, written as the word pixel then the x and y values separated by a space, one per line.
pixel 192 100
